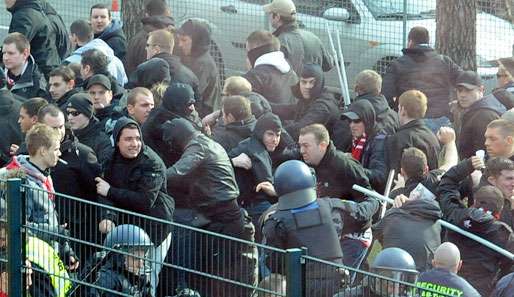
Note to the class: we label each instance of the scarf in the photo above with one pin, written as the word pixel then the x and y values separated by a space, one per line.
pixel 358 147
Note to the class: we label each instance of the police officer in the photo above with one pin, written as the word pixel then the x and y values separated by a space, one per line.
pixel 124 273
pixel 301 220
pixel 393 263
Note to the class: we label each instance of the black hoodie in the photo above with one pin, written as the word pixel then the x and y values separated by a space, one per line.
pixel 422 68
pixel 413 228
pixel 138 185
pixel 202 64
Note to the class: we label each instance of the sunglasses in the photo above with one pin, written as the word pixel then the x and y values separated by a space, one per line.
pixel 73 113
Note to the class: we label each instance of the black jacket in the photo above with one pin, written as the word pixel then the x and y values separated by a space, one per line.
pixel 94 137
pixel 413 134
pixel 29 19
pixel 138 185
pixel 480 264
pixel 204 166
pixel 204 67
pixel 107 117
pixel 113 35
pixel 386 120
pixel 180 73
pixel 474 123
pixel 302 47
pixel 413 228
pixel 336 174
pixel 229 136
pixel 62 102
pixel 136 49
pixel 321 107
pixel 62 39
pixel 273 79
pixel 31 83
pixel 9 127
pixel 422 68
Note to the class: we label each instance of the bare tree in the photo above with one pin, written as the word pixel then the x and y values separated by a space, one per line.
pixel 132 12
pixel 456 31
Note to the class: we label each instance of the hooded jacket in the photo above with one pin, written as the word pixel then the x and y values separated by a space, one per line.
pixel 230 135
pixel 113 35
pixel 136 49
pixel 30 84
pixel 480 264
pixel 138 185
pixel 115 66
pixel 474 123
pixel 302 47
pixel 386 120
pixel 422 68
pixel 413 134
pixel 413 228
pixel 204 165
pixel 203 65
pixel 271 76
pixel 29 19
pixel 262 167
pixel 373 154
pixel 9 127
pixel 62 102
pixel 320 108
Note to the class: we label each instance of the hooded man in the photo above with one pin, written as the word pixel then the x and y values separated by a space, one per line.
pixel 134 179
pixel 194 42
pixel 109 30
pixel 150 73
pixel 178 102
pixel 316 105
pixel 367 143
pixel 270 74
pixel 265 138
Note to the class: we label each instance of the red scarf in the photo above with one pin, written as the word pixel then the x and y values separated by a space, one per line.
pixel 358 147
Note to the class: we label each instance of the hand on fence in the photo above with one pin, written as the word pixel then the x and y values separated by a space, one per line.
pixel 106 226
pixel 73 264
pixel 102 187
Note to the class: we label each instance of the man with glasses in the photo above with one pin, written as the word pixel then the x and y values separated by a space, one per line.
pixel 160 44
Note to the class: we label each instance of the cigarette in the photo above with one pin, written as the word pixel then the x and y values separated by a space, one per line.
pixel 62 161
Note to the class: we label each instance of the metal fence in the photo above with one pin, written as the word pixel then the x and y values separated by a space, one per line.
pixel 372 32
pixel 180 258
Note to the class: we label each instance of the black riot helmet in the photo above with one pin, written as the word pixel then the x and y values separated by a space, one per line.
pixel 295 184
pixel 393 263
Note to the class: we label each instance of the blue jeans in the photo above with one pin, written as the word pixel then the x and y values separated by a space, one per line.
pixel 435 123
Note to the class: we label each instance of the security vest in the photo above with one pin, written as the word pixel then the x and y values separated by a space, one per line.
pixel 43 255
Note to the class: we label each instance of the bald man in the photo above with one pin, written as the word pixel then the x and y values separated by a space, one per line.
pixel 443 277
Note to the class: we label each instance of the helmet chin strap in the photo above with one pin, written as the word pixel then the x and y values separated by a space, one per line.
pixel 297 199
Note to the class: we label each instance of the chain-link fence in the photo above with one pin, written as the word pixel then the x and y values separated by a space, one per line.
pixel 372 32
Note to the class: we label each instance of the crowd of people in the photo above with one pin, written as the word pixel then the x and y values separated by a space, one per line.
pixel 146 125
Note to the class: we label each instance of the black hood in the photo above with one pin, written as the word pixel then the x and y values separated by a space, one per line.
pixel 258 103
pixel 379 102
pixel 156 22
pixel 122 123
pixel 243 128
pixel 26 4
pixel 200 33
pixel 311 70
pixel 366 113
pixel 177 133
pixel 419 52
pixel 423 208
pixel 268 121
pixel 177 98
pixel 147 74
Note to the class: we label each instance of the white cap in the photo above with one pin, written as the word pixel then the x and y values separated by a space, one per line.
pixel 281 7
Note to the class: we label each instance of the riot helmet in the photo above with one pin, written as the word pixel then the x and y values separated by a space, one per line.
pixel 295 184
pixel 396 264
pixel 134 242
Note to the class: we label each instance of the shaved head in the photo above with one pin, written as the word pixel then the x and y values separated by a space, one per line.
pixel 447 256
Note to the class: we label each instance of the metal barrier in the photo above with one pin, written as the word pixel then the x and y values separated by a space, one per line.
pixel 209 263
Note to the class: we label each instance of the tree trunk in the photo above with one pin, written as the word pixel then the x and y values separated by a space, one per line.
pixel 132 13
pixel 456 31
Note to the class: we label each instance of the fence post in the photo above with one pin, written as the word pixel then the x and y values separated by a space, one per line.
pixel 294 272
pixel 14 236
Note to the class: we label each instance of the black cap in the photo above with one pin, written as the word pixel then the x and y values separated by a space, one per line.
pixel 82 103
pixel 469 79
pixel 351 115
pixel 99 79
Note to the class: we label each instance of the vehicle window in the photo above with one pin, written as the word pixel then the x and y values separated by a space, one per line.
pixel 317 8
pixel 395 8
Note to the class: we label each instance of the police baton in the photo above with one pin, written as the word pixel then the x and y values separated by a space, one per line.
pixel 443 223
